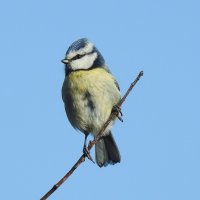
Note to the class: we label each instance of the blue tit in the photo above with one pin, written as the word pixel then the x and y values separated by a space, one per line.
pixel 89 93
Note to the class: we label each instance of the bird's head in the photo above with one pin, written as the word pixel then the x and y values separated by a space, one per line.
pixel 82 55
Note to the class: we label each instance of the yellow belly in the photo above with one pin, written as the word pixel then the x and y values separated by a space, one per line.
pixel 89 96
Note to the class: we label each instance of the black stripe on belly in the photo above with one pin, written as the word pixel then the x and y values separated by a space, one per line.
pixel 87 97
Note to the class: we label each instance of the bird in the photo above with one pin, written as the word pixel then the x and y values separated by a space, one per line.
pixel 90 93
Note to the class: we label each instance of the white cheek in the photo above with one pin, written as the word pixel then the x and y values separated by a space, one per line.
pixel 84 63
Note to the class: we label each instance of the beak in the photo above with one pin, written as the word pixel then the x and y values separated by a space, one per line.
pixel 65 61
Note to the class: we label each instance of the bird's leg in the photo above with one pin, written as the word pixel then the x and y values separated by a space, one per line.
pixel 86 153
pixel 117 110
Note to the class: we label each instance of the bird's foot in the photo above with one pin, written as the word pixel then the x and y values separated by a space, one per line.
pixel 86 153
pixel 117 111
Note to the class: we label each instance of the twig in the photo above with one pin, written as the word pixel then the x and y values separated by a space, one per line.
pixel 92 143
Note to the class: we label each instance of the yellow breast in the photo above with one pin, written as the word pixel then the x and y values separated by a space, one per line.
pixel 85 78
pixel 104 94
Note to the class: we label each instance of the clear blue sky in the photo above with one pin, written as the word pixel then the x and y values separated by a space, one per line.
pixel 160 138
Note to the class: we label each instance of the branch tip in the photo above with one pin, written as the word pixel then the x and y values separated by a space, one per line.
pixel 141 73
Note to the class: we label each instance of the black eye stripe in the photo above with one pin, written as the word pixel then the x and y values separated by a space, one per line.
pixel 78 56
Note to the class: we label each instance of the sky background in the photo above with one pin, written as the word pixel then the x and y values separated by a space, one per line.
pixel 159 140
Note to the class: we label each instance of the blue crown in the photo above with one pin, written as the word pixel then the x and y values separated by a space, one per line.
pixel 78 44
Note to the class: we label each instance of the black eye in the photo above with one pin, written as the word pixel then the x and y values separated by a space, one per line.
pixel 78 56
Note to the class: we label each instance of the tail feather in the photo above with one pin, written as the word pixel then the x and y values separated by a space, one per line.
pixel 107 151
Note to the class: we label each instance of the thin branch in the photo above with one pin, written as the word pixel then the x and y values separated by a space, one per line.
pixel 92 143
